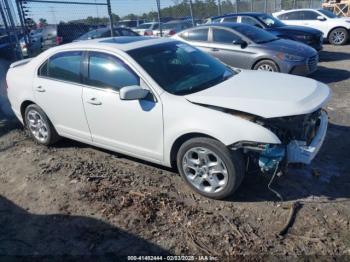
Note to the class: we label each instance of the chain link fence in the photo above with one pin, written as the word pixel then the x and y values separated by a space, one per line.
pixel 41 24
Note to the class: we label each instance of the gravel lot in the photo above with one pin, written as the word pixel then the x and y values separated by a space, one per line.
pixel 73 199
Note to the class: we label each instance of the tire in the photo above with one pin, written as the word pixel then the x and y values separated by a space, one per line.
pixel 269 66
pixel 229 168
pixel 338 36
pixel 39 125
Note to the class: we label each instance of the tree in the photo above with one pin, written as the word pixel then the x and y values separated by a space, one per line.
pixel 42 22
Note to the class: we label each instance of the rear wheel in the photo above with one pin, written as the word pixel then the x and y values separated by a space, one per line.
pixel 40 126
pixel 210 168
pixel 266 65
pixel 338 36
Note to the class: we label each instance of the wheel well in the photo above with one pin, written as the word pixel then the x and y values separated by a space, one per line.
pixel 179 141
pixel 24 106
pixel 335 28
pixel 268 59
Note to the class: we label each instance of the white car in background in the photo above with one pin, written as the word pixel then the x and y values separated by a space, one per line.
pixel 167 102
pixel 147 29
pixel 335 29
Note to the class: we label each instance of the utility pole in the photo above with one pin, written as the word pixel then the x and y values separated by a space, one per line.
pixel 191 11
pixel 159 18
pixel 109 9
pixel 219 7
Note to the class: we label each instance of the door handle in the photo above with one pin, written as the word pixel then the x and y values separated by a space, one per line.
pixel 94 101
pixel 215 49
pixel 40 89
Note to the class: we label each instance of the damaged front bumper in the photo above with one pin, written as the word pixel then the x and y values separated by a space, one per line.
pixel 299 152
pixel 272 156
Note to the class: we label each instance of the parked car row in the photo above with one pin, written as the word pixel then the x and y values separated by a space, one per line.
pixel 248 47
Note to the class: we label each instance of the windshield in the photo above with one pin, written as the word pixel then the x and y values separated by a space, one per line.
pixel 327 13
pixel 271 21
pixel 255 34
pixel 181 69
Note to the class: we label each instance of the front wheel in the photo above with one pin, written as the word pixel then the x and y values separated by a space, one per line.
pixel 338 36
pixel 210 168
pixel 266 65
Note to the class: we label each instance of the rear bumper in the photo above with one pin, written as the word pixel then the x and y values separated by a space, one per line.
pixel 299 152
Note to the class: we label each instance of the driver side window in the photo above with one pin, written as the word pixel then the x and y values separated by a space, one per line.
pixel 106 71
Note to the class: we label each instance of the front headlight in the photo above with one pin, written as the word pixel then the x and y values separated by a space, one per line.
pixel 289 57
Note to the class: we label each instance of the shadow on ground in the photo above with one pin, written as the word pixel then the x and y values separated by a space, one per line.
pixel 53 236
pixel 330 75
pixel 328 56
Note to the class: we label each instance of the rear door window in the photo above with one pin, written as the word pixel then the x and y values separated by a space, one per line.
pixel 63 66
pixel 290 16
pixel 196 35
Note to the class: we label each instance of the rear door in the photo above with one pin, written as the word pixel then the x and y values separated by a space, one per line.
pixel 223 48
pixel 58 91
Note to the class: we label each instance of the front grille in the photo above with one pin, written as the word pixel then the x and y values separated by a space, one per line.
pixel 312 63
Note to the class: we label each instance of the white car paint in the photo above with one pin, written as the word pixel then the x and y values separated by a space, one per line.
pixel 149 131
pixel 266 97
pixel 326 26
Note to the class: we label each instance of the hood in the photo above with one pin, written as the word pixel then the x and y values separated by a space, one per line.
pixel 265 94
pixel 290 47
pixel 294 29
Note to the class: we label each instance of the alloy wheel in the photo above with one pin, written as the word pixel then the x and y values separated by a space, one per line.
pixel 37 126
pixel 338 37
pixel 205 170
pixel 266 67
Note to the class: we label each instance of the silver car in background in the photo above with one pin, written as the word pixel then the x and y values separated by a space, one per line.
pixel 172 27
pixel 249 47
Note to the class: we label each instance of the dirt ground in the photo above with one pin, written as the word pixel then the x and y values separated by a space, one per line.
pixel 73 199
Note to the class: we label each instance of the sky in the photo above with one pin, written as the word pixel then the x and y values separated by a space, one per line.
pixel 54 13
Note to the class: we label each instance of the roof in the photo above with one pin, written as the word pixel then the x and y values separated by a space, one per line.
pixel 238 14
pixel 299 9
pixel 124 43
pixel 225 24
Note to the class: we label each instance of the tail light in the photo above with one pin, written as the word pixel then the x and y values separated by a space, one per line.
pixel 172 32
pixel 59 40
pixel 148 33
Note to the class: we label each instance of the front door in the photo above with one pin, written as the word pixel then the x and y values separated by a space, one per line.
pixel 132 127
pixel 223 48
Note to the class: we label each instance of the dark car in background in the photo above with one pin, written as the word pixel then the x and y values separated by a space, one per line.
pixel 106 32
pixel 306 35
pixel 248 47
pixel 67 33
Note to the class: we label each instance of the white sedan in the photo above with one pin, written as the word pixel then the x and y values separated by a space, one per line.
pixel 335 29
pixel 167 102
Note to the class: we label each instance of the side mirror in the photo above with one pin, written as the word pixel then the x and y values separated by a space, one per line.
pixel 321 18
pixel 240 42
pixel 132 93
